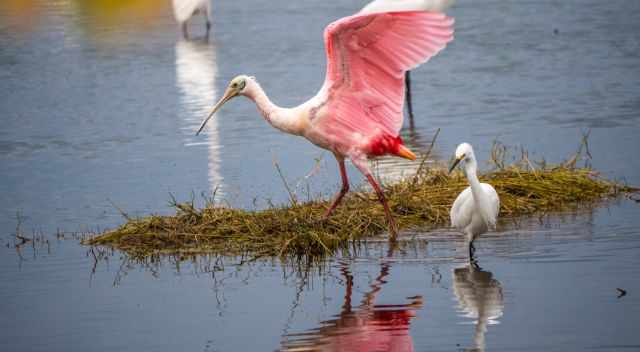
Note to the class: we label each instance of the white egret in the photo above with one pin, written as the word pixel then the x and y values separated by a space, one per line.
pixel 183 10
pixel 475 211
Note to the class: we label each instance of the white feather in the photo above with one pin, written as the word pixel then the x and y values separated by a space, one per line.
pixel 479 297
pixel 470 215
pixel 466 216
pixel 185 9
pixel 406 5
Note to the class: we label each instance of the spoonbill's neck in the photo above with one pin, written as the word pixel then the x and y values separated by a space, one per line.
pixel 263 103
pixel 284 119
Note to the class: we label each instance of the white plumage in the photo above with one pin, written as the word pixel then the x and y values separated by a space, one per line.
pixel 406 5
pixel 479 297
pixel 475 211
pixel 183 10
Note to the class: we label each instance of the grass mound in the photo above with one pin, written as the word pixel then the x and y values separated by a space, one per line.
pixel 423 200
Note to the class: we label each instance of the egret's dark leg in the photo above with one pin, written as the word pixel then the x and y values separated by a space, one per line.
pixel 392 224
pixel 472 251
pixel 208 23
pixel 185 32
pixel 407 82
pixel 342 191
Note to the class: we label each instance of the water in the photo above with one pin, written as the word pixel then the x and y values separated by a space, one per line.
pixel 99 105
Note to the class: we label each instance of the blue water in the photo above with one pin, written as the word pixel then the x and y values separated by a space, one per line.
pixel 99 110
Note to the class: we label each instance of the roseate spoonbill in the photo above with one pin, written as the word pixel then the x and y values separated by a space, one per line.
pixel 404 5
pixel 479 297
pixel 357 113
pixel 183 10
pixel 476 208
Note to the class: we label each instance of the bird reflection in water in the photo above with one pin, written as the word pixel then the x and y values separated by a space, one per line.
pixel 367 327
pixel 196 72
pixel 479 297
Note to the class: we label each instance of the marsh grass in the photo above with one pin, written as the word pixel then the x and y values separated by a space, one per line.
pixel 421 201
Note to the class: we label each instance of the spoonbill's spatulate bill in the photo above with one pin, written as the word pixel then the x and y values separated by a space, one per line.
pixel 476 208
pixel 183 10
pixel 357 114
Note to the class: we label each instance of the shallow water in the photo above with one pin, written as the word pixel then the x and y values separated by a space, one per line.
pixel 99 108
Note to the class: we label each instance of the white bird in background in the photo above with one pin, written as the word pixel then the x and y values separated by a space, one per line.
pixel 377 6
pixel 475 211
pixel 183 10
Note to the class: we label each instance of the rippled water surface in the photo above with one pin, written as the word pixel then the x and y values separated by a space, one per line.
pixel 99 102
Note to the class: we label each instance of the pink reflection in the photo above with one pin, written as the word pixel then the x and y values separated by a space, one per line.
pixel 367 327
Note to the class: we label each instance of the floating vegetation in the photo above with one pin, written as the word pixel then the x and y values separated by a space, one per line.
pixel 421 201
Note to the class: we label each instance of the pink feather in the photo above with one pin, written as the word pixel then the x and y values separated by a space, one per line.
pixel 367 56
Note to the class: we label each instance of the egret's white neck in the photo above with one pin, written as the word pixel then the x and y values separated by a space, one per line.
pixel 481 328
pixel 479 197
pixel 471 170
pixel 283 119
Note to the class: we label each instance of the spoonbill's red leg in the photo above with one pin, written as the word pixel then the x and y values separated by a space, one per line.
pixel 342 191
pixel 362 165
pixel 357 114
pixel 376 187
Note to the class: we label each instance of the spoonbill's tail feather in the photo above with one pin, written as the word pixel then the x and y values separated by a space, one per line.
pixel 377 6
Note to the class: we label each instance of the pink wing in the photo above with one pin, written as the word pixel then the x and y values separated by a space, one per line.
pixel 367 56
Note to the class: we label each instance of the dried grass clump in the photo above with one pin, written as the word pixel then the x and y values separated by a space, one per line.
pixel 419 201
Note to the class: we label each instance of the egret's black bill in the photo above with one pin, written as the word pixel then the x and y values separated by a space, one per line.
pixel 455 163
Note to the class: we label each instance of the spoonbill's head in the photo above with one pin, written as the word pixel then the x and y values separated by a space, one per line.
pixel 464 152
pixel 239 85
